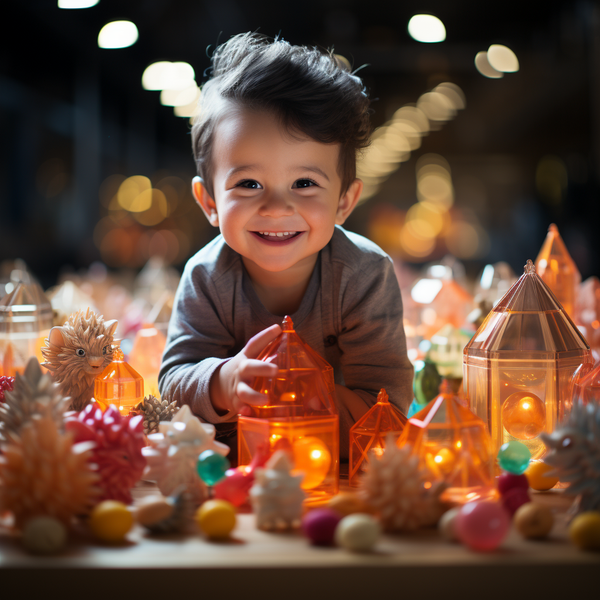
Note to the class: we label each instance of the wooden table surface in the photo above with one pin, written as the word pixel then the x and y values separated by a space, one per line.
pixel 420 565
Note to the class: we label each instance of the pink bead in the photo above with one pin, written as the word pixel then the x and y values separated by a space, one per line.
pixel 319 525
pixel 510 481
pixel 515 498
pixel 482 525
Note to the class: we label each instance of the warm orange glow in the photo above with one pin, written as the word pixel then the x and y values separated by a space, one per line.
pixel 146 355
pixel 311 457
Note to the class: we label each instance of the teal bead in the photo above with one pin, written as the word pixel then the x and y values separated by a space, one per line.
pixel 514 457
pixel 211 467
pixel 415 407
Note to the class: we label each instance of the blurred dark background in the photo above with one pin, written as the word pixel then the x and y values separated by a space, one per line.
pixel 75 121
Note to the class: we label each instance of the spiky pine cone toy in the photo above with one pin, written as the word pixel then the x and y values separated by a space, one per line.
pixel 393 485
pixel 154 411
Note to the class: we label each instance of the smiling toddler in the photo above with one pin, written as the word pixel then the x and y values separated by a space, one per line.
pixel 275 145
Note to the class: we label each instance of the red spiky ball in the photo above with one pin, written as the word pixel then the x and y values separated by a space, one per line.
pixel 6 384
pixel 118 448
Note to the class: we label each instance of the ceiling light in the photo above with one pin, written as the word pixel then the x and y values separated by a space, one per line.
pixel 118 34
pixel 427 29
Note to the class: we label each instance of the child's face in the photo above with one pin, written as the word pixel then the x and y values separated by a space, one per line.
pixel 277 196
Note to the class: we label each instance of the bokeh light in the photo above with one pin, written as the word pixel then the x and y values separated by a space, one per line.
pixel 485 68
pixel 118 34
pixel 502 58
pixel 74 4
pixel 427 29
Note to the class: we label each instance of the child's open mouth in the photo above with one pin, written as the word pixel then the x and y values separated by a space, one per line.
pixel 277 237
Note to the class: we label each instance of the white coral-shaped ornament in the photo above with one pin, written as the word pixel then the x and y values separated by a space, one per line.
pixel 276 495
pixel 393 486
pixel 575 455
pixel 42 473
pixel 34 395
pixel 172 454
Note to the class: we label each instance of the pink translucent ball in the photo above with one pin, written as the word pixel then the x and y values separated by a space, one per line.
pixel 482 525
pixel 319 525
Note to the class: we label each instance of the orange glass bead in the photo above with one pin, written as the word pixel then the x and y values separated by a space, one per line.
pixel 558 270
pixel 299 414
pixel 119 384
pixel 523 415
pixel 452 445
pixel 370 433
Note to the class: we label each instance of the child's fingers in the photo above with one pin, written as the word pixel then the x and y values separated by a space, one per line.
pixel 250 368
pixel 249 396
pixel 256 344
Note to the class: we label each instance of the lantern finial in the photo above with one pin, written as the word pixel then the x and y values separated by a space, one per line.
pixel 529 267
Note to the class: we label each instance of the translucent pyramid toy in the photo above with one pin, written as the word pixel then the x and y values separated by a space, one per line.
pixel 119 384
pixel 146 355
pixel 586 384
pixel 299 414
pixel 25 322
pixel 453 445
pixel 587 313
pixel 558 270
pixel 519 364
pixel 370 433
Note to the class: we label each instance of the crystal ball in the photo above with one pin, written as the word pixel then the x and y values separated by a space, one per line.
pixel 212 467
pixel 514 457
pixel 482 525
pixel 524 415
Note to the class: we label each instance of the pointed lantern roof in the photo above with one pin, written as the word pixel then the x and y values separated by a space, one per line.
pixel 26 308
pixel 304 385
pixel 528 322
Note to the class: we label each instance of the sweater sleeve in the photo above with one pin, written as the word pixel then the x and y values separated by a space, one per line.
pixel 372 340
pixel 197 344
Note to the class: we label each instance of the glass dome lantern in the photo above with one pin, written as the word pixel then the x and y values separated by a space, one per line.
pixel 299 414
pixel 519 364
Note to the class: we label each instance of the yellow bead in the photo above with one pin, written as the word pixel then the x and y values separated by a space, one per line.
pixel 216 518
pixel 110 521
pixel 536 475
pixel 584 530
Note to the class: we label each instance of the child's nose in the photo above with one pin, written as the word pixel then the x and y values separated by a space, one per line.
pixel 276 205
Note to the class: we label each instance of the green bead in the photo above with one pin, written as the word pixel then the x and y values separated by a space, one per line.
pixel 514 457
pixel 426 382
pixel 211 467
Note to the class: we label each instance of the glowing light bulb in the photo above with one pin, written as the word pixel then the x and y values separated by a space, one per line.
pixel 524 415
pixel 312 457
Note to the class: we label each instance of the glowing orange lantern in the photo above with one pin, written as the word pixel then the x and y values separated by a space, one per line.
pixel 558 270
pixel 452 445
pixel 519 364
pixel 119 384
pixel 370 432
pixel 146 354
pixel 299 414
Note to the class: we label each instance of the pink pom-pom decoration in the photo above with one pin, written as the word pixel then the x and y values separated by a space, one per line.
pixel 118 443
pixel 482 525
pixel 319 525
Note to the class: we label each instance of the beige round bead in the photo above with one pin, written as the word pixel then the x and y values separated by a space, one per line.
pixel 533 521
pixel 152 510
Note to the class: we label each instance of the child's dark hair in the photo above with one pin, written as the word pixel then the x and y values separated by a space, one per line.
pixel 312 92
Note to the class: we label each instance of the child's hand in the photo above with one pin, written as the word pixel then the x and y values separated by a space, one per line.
pixel 229 386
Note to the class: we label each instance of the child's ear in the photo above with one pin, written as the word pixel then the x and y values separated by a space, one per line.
pixel 206 203
pixel 348 201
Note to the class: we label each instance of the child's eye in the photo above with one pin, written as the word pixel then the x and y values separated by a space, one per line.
pixel 304 183
pixel 250 184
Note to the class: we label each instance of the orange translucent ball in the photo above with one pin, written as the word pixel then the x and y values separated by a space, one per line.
pixel 524 415
pixel 312 457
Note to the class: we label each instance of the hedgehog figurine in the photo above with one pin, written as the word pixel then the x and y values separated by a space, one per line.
pixel 77 352
pixel 118 448
pixel 575 455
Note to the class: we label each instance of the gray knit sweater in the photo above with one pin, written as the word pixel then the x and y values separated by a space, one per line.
pixel 351 314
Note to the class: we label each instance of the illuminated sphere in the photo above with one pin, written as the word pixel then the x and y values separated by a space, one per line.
pixel 523 415
pixel 312 457
pixel 537 474
pixel 514 457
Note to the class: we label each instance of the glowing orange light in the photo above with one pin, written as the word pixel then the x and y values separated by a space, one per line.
pixel 312 457
pixel 523 415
